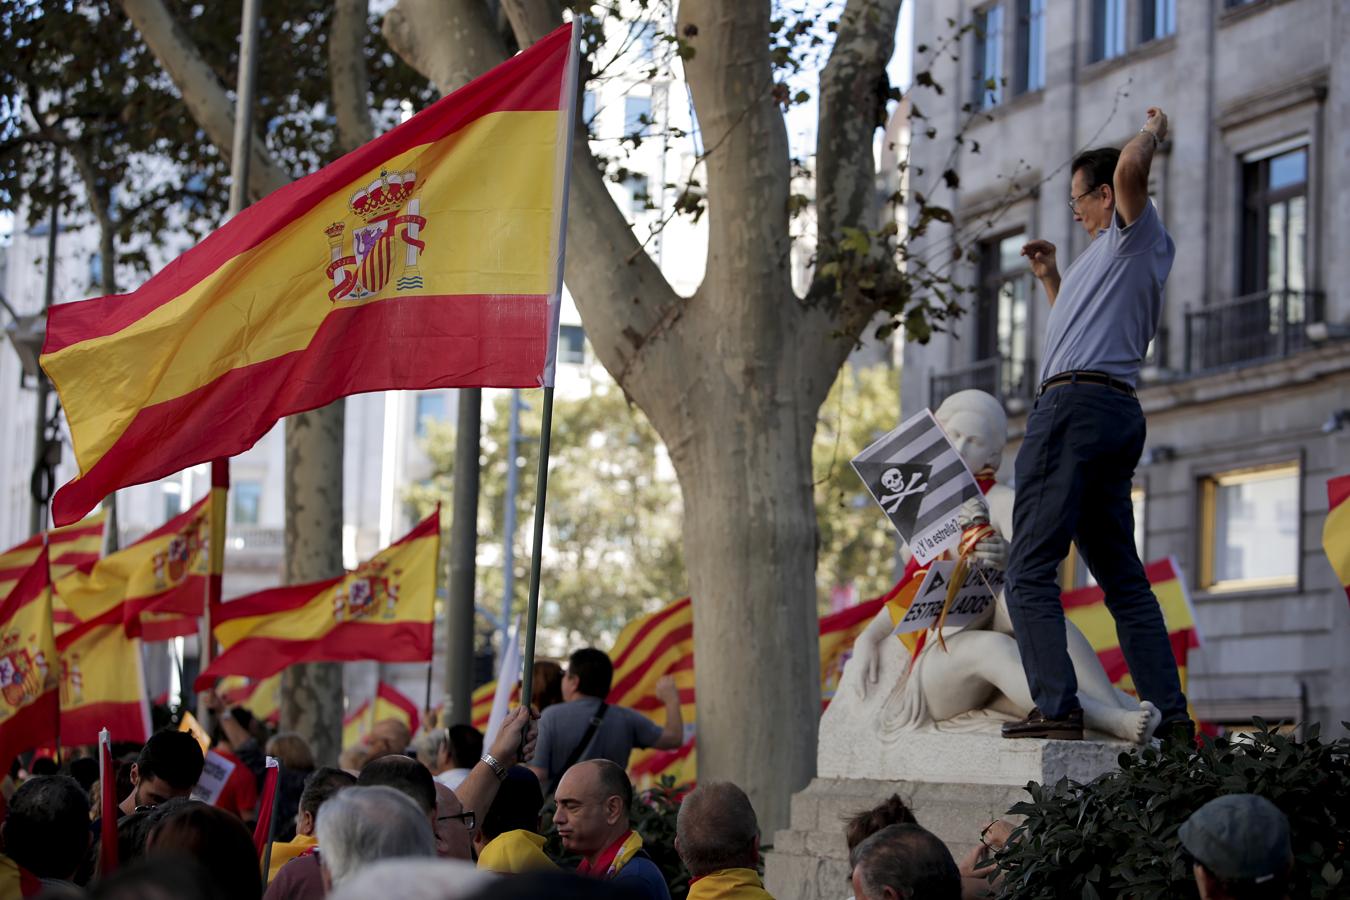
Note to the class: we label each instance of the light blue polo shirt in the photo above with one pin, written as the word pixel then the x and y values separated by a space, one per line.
pixel 1110 300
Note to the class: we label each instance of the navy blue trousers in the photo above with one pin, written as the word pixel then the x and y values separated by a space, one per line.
pixel 1074 472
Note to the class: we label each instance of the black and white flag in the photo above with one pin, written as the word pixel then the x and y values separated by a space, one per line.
pixel 920 481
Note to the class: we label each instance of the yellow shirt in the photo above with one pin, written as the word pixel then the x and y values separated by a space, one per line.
pixel 514 852
pixel 284 852
pixel 729 884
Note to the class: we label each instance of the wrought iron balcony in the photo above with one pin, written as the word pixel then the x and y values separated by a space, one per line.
pixel 1012 381
pixel 1251 329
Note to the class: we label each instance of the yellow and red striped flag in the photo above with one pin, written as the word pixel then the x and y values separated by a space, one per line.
pixel 481 703
pixel 430 257
pixel 262 698
pixel 1336 531
pixel 28 663
pixel 837 634
pixel 158 584
pixel 380 612
pixel 102 682
pixel 1086 608
pixel 73 547
pixel 388 703
pixel 647 649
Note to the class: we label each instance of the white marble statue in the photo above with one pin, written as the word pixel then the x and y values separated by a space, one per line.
pixel 978 681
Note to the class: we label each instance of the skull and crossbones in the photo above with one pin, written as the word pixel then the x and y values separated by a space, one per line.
pixel 893 480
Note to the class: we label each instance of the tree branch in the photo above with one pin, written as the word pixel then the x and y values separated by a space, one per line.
pixel 347 70
pixel 203 94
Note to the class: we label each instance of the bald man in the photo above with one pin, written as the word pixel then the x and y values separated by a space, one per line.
pixel 717 837
pixel 387 737
pixel 594 798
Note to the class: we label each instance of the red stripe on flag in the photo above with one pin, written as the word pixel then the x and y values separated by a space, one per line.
pixel 351 642
pixel 1338 490
pixel 390 694
pixel 847 618
pixel 676 636
pixel 82 724
pixel 29 727
pixel 659 762
pixel 398 344
pixel 262 831
pixel 651 701
pixel 1113 658
pixel 653 622
pixel 528 81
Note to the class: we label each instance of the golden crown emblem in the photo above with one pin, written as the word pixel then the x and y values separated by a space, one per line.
pixel 384 195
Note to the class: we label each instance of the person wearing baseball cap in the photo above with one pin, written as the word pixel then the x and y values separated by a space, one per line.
pixel 1239 846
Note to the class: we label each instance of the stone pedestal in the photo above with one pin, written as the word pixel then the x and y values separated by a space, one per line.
pixel 956 778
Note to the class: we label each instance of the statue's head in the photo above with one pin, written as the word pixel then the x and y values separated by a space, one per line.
pixel 978 426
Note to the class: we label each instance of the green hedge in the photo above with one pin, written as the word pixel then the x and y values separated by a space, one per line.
pixel 1116 836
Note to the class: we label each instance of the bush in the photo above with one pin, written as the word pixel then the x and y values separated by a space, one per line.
pixel 1116 836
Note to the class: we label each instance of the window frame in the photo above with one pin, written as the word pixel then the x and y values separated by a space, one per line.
pixel 992 278
pixel 1023 44
pixel 1208 496
pixel 981 76
pixel 1254 205
pixel 236 494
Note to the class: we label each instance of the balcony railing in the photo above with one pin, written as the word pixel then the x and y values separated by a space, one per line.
pixel 1012 381
pixel 1252 329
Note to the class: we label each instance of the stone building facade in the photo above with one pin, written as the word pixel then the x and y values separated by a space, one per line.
pixel 1247 386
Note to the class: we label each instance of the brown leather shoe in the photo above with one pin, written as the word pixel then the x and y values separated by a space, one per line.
pixel 1037 725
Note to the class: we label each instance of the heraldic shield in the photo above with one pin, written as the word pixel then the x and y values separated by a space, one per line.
pixel 387 241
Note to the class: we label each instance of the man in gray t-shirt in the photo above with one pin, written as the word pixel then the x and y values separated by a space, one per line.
pixel 563 727
pixel 1083 440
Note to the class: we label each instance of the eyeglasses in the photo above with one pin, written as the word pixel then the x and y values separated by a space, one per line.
pixel 146 807
pixel 1073 204
pixel 467 817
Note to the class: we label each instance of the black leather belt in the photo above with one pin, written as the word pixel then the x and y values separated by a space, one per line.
pixel 1085 377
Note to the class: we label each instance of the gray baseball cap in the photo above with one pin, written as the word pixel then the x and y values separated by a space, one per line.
pixel 1239 836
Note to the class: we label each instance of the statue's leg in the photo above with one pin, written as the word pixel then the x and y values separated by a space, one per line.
pixel 975 666
pixel 1136 725
pixel 1092 678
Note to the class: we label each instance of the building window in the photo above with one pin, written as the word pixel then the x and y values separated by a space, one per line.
pixel 173 499
pixel 1030 46
pixel 1108 29
pixel 1158 19
pixel 988 57
pixel 245 502
pixel 637 114
pixel 430 408
pixel 639 193
pixel 1275 222
pixel 1250 528
pixel 571 344
pixel 1003 329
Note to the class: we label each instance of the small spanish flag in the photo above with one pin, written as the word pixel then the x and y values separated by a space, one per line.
pixel 381 612
pixel 158 584
pixel 388 703
pixel 70 548
pixel 1336 531
pixel 29 667
pixel 431 257
pixel 102 682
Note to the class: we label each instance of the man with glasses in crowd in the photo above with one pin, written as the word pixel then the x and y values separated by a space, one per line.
pixel 1084 437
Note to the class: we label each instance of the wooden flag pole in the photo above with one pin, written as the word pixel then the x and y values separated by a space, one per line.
pixel 537 551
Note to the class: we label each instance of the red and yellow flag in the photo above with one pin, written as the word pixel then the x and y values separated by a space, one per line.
pixel 262 698
pixel 431 257
pixel 73 547
pixel 1086 608
pixel 102 682
pixel 388 703
pixel 647 649
pixel 380 612
pixel 28 664
pixel 1336 531
pixel 159 582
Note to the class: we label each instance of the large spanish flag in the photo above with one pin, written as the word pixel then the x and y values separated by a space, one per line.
pixel 1086 608
pixel 430 257
pixel 1336 531
pixel 158 583
pixel 28 664
pixel 381 612
pixel 102 682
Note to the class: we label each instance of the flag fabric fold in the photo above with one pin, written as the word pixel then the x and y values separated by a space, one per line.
pixel 74 547
pixel 29 711
pixel 102 682
pixel 381 612
pixel 1336 530
pixel 430 257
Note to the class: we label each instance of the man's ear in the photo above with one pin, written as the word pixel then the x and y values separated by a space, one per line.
pixel 614 809
pixel 135 776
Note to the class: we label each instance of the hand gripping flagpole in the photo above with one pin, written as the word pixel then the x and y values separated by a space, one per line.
pixel 568 103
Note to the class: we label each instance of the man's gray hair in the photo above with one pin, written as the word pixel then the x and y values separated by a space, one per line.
pixel 909 860
pixel 361 825
pixel 428 744
pixel 716 829
pixel 415 879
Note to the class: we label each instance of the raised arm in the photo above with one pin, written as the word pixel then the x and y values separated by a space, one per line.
pixel 1136 157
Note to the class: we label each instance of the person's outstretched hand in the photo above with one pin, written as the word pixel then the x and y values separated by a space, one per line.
pixel 516 739
pixel 1041 255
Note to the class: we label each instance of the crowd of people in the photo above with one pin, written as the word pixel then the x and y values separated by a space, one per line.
pixel 435 816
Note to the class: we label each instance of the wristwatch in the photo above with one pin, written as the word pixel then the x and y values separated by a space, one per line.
pixel 1156 142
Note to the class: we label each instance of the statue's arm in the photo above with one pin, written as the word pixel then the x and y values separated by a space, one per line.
pixel 867 651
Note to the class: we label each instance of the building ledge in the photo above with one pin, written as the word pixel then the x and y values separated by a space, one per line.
pixel 1237 13
pixel 1102 67
pixel 1306 367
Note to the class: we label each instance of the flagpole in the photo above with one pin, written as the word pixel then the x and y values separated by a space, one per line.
pixel 536 553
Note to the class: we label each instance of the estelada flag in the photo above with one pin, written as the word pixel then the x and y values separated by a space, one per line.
pixel 1336 531
pixel 430 257
pixel 159 582
pixel 381 612
pixel 28 664
pixel 102 682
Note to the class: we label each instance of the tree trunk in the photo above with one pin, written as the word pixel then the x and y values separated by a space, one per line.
pixel 311 694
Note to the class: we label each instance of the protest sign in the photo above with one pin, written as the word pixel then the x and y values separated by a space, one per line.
pixel 971 601
pixel 216 770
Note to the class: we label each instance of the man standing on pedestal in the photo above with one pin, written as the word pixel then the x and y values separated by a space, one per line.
pixel 1084 437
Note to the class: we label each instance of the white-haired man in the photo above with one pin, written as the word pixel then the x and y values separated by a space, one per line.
pixel 362 825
